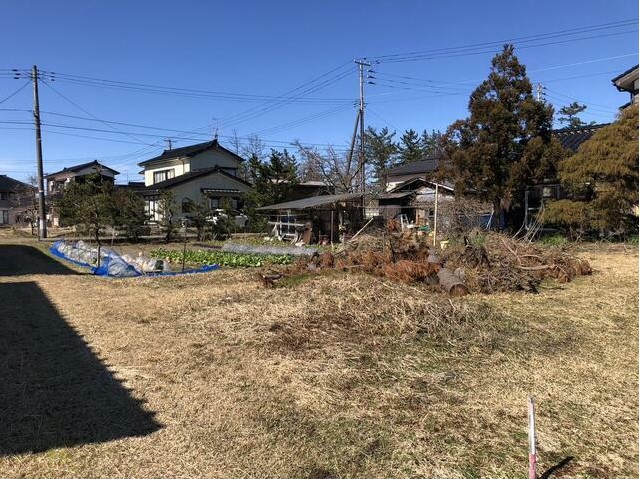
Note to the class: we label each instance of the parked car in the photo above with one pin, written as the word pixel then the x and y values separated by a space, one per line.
pixel 237 217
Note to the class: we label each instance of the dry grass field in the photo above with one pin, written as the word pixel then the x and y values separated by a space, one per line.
pixel 334 375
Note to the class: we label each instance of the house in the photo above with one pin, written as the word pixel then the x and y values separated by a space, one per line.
pixel 628 81
pixel 415 199
pixel 58 180
pixel 202 172
pixel 16 201
pixel 56 183
pixel 409 171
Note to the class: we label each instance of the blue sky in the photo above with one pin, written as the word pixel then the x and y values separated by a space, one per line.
pixel 253 53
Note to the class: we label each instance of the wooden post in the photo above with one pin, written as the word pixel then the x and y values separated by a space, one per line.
pixel 532 440
pixel 184 245
pixel 435 217
pixel 331 234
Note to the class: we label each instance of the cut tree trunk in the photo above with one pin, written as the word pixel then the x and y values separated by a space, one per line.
pixel 451 283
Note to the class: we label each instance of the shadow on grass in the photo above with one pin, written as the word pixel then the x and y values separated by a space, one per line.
pixel 18 260
pixel 54 391
pixel 553 469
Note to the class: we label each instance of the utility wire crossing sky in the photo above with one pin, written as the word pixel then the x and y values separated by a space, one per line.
pixel 118 100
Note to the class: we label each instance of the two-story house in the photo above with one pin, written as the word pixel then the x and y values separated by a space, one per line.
pixel 56 182
pixel 16 201
pixel 203 172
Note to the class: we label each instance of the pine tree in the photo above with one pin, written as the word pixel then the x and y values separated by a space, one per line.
pixel 380 151
pixel 273 179
pixel 505 145
pixel 569 114
pixel 602 178
pixel 410 148
pixel 430 142
pixel 88 205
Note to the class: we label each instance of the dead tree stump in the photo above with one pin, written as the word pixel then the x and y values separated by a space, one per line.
pixel 451 283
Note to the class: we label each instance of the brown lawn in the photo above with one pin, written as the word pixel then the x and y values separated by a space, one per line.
pixel 337 375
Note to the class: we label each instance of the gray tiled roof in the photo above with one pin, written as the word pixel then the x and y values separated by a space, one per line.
pixel 76 168
pixel 9 184
pixel 190 150
pixel 572 138
pixel 427 165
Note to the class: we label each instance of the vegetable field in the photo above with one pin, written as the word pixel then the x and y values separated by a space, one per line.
pixel 223 258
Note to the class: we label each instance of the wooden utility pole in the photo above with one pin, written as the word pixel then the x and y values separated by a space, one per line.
pixel 42 223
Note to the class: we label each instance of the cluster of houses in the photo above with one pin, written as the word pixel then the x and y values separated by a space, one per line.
pixel 210 172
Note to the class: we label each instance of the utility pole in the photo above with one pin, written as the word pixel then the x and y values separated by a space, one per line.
pixel 42 223
pixel 361 164
pixel 539 91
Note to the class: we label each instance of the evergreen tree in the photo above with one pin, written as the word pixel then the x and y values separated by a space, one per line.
pixel 569 114
pixel 430 142
pixel 380 151
pixel 88 205
pixel 166 209
pixel 505 145
pixel 129 212
pixel 410 147
pixel 272 179
pixel 602 178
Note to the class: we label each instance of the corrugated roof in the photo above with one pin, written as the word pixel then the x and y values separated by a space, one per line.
pixel 312 202
pixel 190 150
pixel 392 196
pixel 572 138
pixel 76 168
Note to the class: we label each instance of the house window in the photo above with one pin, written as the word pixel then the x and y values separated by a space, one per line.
pixel 186 205
pixel 214 203
pixel 4 195
pixel 4 217
pixel 163 175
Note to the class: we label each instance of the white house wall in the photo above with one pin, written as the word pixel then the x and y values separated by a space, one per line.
pixel 179 167
pixel 211 158
pixel 193 189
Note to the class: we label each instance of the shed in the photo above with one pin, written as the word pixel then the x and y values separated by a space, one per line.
pixel 316 218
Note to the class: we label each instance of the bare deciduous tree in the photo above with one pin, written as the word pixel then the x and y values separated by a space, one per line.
pixel 335 169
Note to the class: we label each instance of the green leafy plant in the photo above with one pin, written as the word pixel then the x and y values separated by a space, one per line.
pixel 223 258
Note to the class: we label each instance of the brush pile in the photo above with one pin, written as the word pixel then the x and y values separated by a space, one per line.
pixel 397 255
pixel 480 261
pixel 491 262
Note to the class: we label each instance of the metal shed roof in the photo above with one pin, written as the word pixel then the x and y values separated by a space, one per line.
pixel 312 202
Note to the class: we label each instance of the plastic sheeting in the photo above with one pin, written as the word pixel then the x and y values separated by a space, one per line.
pixel 115 265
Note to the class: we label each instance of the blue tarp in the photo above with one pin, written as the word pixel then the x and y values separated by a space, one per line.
pixel 111 263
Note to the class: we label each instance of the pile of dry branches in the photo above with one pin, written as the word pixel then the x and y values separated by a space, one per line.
pixel 491 262
pixel 397 255
pixel 479 261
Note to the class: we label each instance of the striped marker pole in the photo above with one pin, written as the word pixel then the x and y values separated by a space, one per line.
pixel 532 440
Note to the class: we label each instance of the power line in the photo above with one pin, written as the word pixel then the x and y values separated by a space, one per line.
pixel 188 92
pixel 557 93
pixel 257 112
pixel 15 92
pixel 479 48
pixel 88 112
